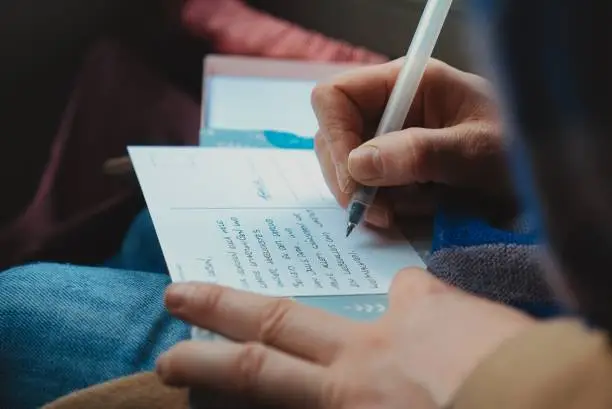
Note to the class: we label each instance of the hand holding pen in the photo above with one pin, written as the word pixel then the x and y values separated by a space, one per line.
pixel 403 94
pixel 451 138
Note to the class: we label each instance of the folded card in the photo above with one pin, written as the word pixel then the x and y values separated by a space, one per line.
pixel 261 220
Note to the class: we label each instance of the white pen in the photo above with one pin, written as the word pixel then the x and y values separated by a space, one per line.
pixel 400 100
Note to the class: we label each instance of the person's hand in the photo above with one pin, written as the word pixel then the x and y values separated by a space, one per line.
pixel 452 138
pixel 429 340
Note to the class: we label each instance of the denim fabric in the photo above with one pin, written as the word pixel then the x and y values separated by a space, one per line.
pixel 64 328
pixel 140 249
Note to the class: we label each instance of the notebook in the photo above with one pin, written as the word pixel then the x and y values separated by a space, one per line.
pixel 251 93
pixel 231 102
pixel 262 220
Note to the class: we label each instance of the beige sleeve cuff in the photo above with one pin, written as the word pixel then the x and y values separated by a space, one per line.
pixel 555 365
pixel 142 391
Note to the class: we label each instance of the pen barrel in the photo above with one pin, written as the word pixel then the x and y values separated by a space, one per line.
pixel 404 90
pixel 362 199
pixel 554 71
pixel 417 57
pixel 365 195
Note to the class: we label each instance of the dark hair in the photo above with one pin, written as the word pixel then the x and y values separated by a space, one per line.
pixel 554 73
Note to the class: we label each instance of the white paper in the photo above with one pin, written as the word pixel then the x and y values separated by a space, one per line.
pixel 255 103
pixel 261 220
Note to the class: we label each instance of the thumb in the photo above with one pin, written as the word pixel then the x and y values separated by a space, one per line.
pixel 455 155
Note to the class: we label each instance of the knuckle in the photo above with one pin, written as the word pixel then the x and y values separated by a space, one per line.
pixel 319 93
pixel 169 371
pixel 208 298
pixel 172 368
pixel 474 147
pixel 410 276
pixel 414 283
pixel 416 163
pixel 479 140
pixel 272 320
pixel 337 131
pixel 320 145
pixel 333 393
pixel 249 363
pixel 332 112
pixel 374 338
pixel 434 74
pixel 435 68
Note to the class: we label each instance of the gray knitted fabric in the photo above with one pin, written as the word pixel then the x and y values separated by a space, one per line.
pixel 507 273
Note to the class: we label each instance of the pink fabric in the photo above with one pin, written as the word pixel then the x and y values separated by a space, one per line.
pixel 236 28
pixel 78 213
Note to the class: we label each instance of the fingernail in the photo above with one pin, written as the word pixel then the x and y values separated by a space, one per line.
pixel 378 216
pixel 345 182
pixel 161 367
pixel 160 364
pixel 365 163
pixel 176 295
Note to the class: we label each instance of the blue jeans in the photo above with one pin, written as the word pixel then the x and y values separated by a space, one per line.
pixel 64 327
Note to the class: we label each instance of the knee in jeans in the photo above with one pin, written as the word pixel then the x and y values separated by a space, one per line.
pixel 28 274
pixel 28 284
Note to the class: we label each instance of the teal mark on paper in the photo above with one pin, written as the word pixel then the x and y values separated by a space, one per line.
pixel 254 139
pixel 366 307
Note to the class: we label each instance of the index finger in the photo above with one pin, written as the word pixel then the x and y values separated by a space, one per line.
pixel 348 106
pixel 242 316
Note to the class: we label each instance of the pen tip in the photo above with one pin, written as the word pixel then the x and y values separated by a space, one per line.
pixel 349 229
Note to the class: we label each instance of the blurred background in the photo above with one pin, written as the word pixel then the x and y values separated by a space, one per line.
pixel 384 26
pixel 80 81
